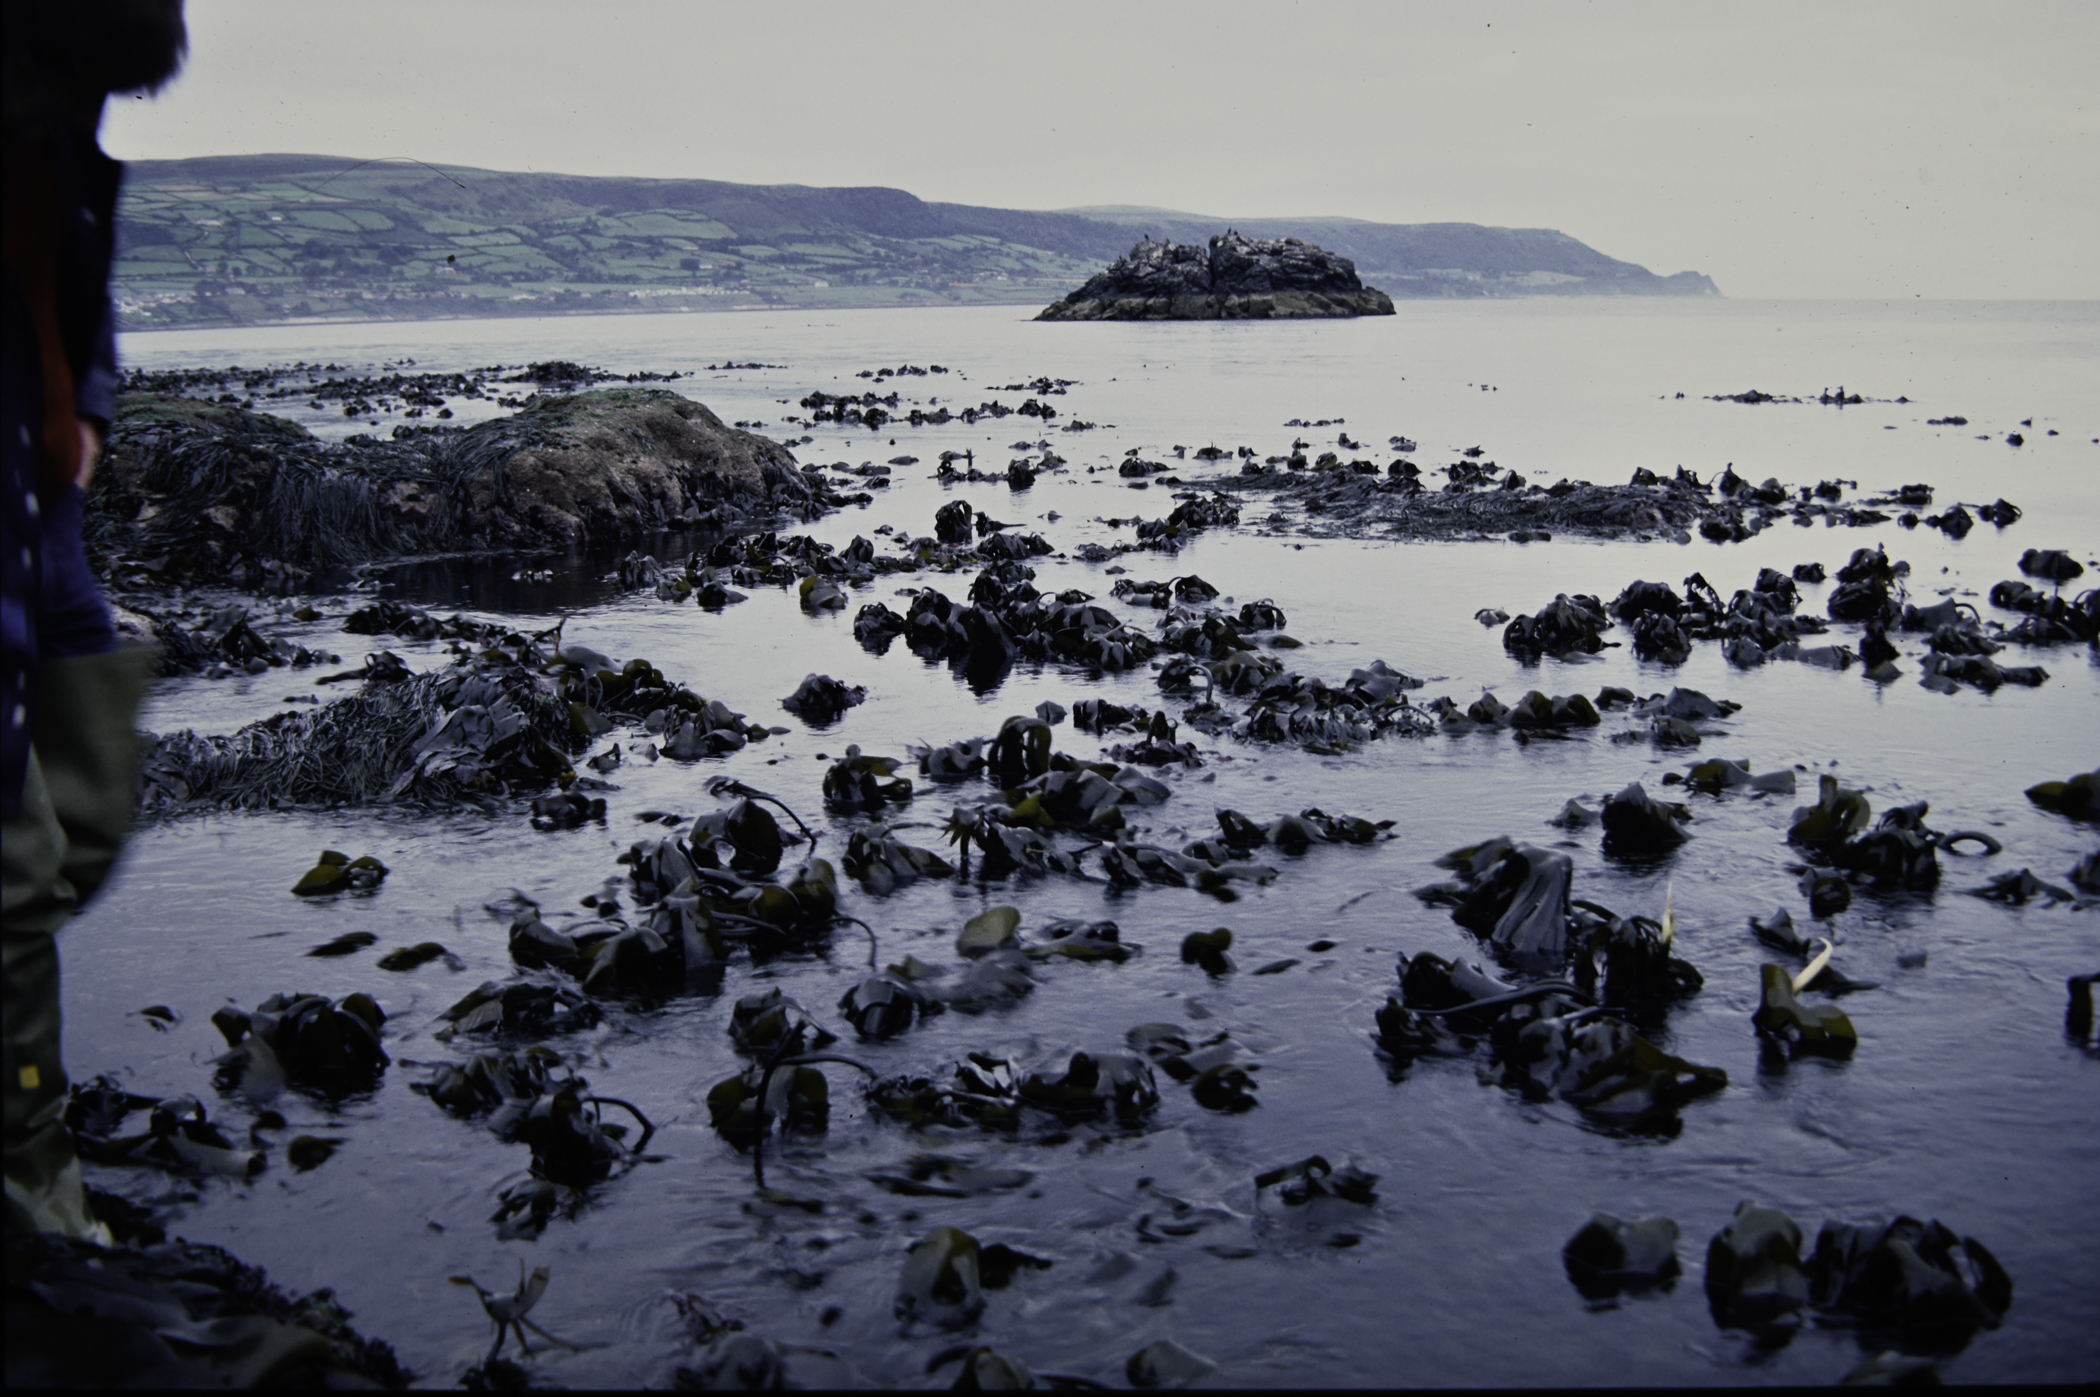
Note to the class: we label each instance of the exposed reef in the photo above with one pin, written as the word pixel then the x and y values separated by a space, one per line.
pixel 210 491
pixel 1238 278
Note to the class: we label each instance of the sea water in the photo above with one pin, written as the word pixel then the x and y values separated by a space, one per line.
pixel 1964 1101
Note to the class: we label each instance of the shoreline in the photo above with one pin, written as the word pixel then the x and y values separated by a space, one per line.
pixel 1573 304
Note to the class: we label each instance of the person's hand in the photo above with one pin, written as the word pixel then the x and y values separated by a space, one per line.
pixel 90 452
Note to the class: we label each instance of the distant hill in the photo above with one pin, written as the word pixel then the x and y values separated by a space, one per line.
pixel 1437 259
pixel 274 237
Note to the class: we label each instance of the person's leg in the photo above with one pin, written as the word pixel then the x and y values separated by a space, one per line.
pixel 87 744
pixel 44 1191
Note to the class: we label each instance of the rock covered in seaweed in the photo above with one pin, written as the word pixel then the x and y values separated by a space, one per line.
pixel 225 488
pixel 1237 278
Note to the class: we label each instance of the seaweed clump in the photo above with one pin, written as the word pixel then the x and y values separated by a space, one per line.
pixel 503 721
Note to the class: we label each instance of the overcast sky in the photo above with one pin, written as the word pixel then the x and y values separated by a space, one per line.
pixel 1816 150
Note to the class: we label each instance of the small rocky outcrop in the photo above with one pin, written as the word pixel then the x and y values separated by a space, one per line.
pixel 1236 278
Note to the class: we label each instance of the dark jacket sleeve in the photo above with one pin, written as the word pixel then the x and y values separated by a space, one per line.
pixel 95 399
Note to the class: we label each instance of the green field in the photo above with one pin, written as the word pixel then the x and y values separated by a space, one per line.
pixel 275 238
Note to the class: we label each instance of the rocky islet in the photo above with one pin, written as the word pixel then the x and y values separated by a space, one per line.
pixel 1234 278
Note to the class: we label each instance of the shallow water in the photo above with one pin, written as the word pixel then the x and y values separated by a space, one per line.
pixel 1964 1101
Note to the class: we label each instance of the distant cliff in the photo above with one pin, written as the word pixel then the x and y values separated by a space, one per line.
pixel 251 239
pixel 1235 278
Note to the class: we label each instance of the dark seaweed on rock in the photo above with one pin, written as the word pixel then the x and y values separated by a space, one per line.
pixel 1004 849
pixel 1603 1067
pixel 433 739
pixel 1943 672
pixel 857 782
pixel 676 947
pixel 501 722
pixel 1719 774
pixel 1828 893
pixel 798 1097
pixel 1313 1177
pixel 1534 714
pixel 1783 1019
pixel 1636 825
pixel 349 943
pixel 2078 1010
pixel 572 1145
pixel 882 1006
pixel 1608 1256
pixel 1296 708
pixel 1207 949
pixel 2050 619
pixel 990 1092
pixel 1908 1275
pixel 2018 889
pixel 1070 939
pixel 2077 797
pixel 1759 620
pixel 687 894
pixel 388 617
pixel 572 808
pixel 820 700
pixel 1862 593
pixel 1210 1067
pixel 414 956
pixel 307 1039
pixel 1350 499
pixel 1754 1274
pixel 179 1135
pixel 526 1103
pixel 1565 626
pixel 336 873
pixel 1918 1280
pixel 1444 1005
pixel 1513 896
pixel 1839 813
pixel 535 1004
pixel 227 489
pixel 1009 619
pixel 882 863
pixel 1187 519
pixel 1900 851
pixel 1626 964
pixel 216 641
pixel 2051 565
pixel 487 1080
pixel 1092 1086
pixel 770 1025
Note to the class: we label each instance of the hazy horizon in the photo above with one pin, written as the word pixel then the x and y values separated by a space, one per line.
pixel 1874 152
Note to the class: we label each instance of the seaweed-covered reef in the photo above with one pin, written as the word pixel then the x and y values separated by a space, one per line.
pixel 196 491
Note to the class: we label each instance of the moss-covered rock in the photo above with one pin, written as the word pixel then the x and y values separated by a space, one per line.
pixel 213 490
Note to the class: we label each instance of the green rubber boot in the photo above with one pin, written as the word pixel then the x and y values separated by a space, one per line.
pixel 44 1191
pixel 77 803
pixel 86 739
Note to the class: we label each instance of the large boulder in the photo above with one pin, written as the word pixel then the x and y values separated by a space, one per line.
pixel 617 462
pixel 221 488
pixel 1238 278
